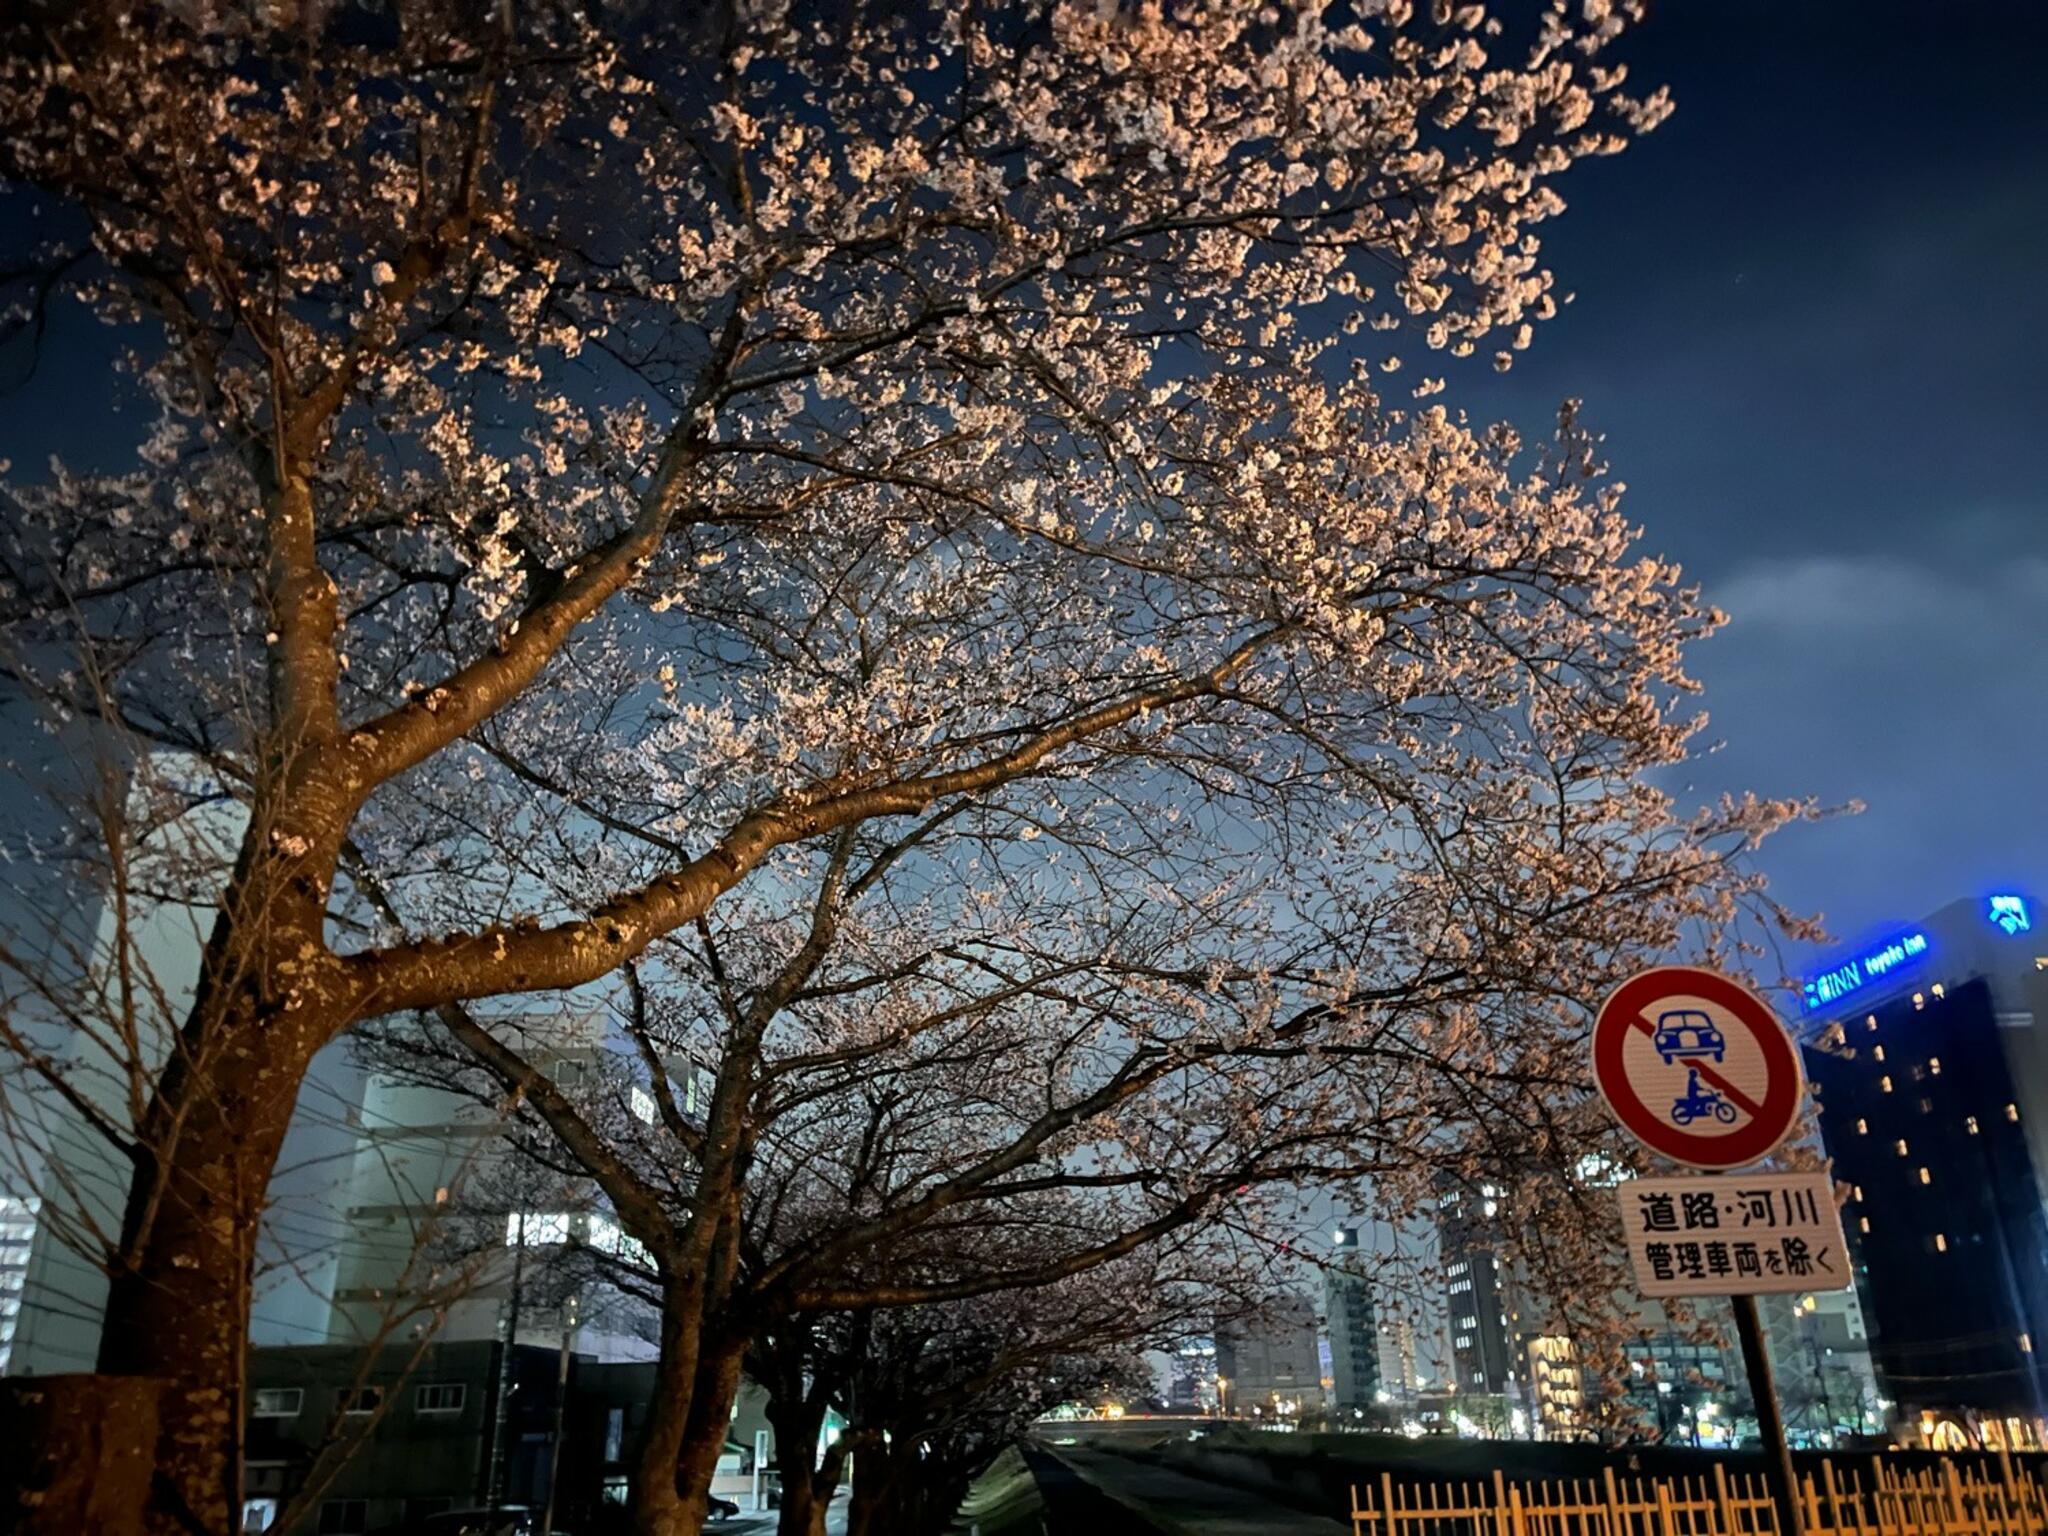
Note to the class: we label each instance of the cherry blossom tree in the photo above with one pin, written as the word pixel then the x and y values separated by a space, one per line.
pixel 928 1393
pixel 604 471
pixel 972 1124
pixel 936 1392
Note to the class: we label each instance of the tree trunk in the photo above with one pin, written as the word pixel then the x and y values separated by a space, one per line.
pixel 687 1423
pixel 871 1510
pixel 941 1490
pixel 915 1498
pixel 179 1311
pixel 824 1485
pixel 808 1481
pixel 796 1454
pixel 794 1510
pixel 657 1501
pixel 80 1450
pixel 710 1422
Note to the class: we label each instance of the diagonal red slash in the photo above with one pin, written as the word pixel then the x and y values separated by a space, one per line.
pixel 1707 1072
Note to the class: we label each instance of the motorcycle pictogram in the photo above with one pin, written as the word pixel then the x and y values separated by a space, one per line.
pixel 1698 1103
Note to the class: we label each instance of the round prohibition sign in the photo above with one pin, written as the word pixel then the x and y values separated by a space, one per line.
pixel 1696 1067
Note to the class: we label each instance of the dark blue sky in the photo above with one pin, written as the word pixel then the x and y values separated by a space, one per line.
pixel 1812 319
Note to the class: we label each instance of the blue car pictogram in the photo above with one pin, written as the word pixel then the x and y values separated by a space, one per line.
pixel 1686 1032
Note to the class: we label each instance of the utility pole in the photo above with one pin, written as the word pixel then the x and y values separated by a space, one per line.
pixel 494 1486
pixel 1763 1390
pixel 570 1320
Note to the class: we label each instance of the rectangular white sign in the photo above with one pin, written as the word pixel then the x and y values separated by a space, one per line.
pixel 1734 1234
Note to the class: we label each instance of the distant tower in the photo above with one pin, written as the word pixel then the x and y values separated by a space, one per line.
pixel 1480 1290
pixel 1928 1059
pixel 1354 1332
pixel 1400 1377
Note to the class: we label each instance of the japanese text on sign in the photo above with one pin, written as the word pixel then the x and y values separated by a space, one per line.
pixel 1734 1234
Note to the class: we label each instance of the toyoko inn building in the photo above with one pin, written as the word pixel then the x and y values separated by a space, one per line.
pixel 1926 1050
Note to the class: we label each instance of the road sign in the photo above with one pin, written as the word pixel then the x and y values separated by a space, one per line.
pixel 1696 1067
pixel 1736 1234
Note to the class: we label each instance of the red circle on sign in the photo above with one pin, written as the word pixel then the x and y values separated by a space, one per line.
pixel 1628 1010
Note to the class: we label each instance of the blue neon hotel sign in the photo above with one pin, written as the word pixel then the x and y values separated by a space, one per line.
pixel 1836 983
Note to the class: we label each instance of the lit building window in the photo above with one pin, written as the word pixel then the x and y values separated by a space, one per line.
pixel 1970 1123
pixel 1863 1224
pixel 607 1236
pixel 439 1397
pixel 2026 1343
pixel 277 1402
pixel 1871 1020
pixel 1919 999
pixel 2012 1111
pixel 1877 1053
pixel 1940 1243
pixel 1885 1083
pixel 541 1228
pixel 1901 1146
pixel 1926 1177
pixel 1934 1066
pixel 1856 1190
pixel 1936 990
pixel 1862 1127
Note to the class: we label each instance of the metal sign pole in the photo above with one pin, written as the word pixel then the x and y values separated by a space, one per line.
pixel 1763 1388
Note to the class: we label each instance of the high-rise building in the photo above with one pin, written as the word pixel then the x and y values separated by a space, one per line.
pixel 1930 1065
pixel 367 1177
pixel 1481 1295
pixel 1191 1377
pixel 1268 1366
pixel 17 1232
pixel 1684 1385
pixel 1400 1364
pixel 1820 1358
pixel 1354 1329
pixel 77 1175
pixel 1558 1385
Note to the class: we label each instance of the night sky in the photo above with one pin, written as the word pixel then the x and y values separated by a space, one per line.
pixel 1812 319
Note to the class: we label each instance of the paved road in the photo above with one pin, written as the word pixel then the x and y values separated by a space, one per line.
pixel 1178 1504
pixel 763 1524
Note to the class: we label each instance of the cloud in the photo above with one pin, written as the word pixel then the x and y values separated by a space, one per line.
pixel 1845 595
pixel 1918 686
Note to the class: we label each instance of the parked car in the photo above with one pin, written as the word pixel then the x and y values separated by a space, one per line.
pixel 723 1509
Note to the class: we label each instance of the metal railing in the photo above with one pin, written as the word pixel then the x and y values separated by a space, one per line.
pixel 1877 1498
